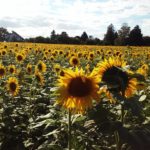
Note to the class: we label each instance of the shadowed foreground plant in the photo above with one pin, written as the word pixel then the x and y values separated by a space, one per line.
pixel 118 85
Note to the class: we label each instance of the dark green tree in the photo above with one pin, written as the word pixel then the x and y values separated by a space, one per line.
pixel 63 38
pixel 53 37
pixel 146 40
pixel 84 37
pixel 123 35
pixel 40 39
pixel 136 37
pixel 3 34
pixel 110 35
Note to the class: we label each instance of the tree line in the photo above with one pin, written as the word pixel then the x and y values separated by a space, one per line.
pixel 124 36
pixel 64 38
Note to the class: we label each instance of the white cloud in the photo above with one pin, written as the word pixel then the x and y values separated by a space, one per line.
pixel 145 26
pixel 39 17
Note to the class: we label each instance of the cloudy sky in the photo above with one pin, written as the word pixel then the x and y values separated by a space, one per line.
pixel 32 18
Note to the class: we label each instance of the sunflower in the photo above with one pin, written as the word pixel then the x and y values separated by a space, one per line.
pixel 98 52
pixel 39 78
pixel 2 71
pixel 114 74
pixel 87 68
pixel 19 57
pixel 60 52
pixel 77 90
pixel 4 52
pixel 74 61
pixel 41 66
pixel 29 68
pixel 54 54
pixel 62 73
pixel 12 69
pixel 52 58
pixel 13 86
pixel 57 68
pixel 91 56
pixel 45 57
pixel 117 53
pixel 79 54
pixel 109 52
pixel 143 70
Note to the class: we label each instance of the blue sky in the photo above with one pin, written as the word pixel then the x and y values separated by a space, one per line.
pixel 32 18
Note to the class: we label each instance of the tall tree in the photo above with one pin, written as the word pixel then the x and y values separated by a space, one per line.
pixel 3 34
pixel 135 36
pixel 53 37
pixel 63 38
pixel 123 35
pixel 110 35
pixel 146 40
pixel 84 37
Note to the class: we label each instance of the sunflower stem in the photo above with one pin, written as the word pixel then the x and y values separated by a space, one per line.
pixel 122 110
pixel 69 129
pixel 117 139
pixel 122 114
pixel 116 133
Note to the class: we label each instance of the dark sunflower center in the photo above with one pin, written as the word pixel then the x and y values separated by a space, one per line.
pixel 13 86
pixel 75 61
pixel 3 52
pixel 79 54
pixel 11 70
pixel 19 58
pixel 116 78
pixel 79 87
pixel 38 78
pixel 62 73
pixel 57 69
pixel 2 71
pixel 29 69
pixel 40 66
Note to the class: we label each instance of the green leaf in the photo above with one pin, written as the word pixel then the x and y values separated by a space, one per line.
pixel 134 105
pixel 142 98
pixel 52 133
pixel 77 118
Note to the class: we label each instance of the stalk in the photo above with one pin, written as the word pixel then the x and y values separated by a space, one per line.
pixel 69 130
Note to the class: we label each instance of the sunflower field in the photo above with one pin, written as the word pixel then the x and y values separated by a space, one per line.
pixel 57 97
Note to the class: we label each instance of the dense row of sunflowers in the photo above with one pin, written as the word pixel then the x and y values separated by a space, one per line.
pixel 82 75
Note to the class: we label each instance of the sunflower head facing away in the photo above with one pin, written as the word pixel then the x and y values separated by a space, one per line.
pixel 143 70
pixel 2 71
pixel 29 68
pixel 39 78
pixel 41 66
pixel 77 90
pixel 13 86
pixel 113 73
